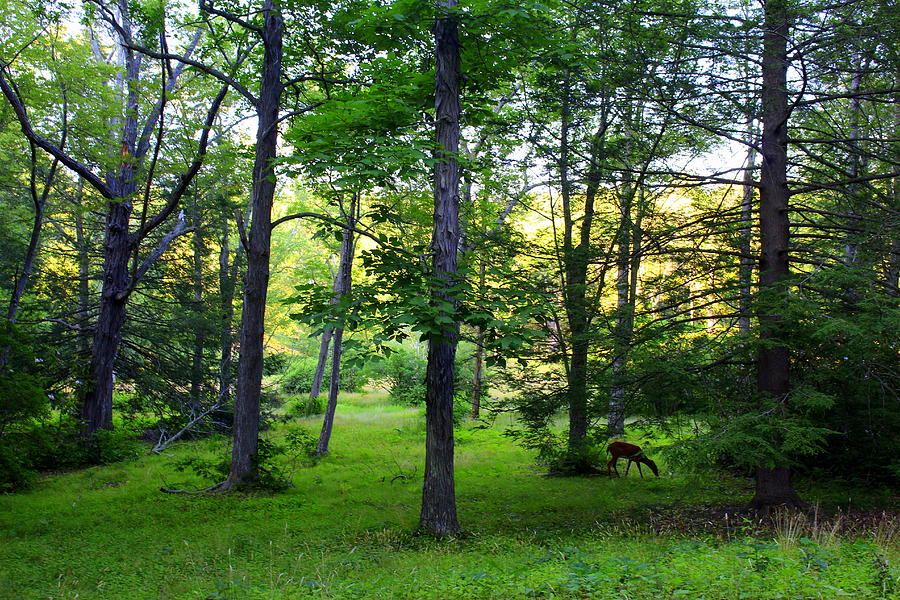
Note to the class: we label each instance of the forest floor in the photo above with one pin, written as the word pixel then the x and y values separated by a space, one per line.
pixel 346 529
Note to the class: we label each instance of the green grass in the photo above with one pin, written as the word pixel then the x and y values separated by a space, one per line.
pixel 347 530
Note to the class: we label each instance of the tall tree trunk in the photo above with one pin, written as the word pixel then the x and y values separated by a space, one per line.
pixel 773 485
pixel 892 274
pixel 624 314
pixel 576 259
pixel 197 379
pixel 96 406
pixel 438 490
pixel 856 190
pixel 256 283
pixel 228 275
pixel 96 410
pixel 343 282
pixel 84 273
pixel 745 272
pixel 478 368
pixel 575 277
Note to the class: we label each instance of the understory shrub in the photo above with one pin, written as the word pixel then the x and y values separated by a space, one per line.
pixel 59 445
pixel 304 406
pixel 276 462
pixel 297 376
pixel 403 373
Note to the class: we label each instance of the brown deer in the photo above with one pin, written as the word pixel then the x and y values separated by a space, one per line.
pixel 631 453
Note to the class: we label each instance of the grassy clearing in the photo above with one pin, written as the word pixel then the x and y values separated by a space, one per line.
pixel 346 530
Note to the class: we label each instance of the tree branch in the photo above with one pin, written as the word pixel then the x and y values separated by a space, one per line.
pixel 243 91
pixel 205 6
pixel 345 226
pixel 22 116
pixel 185 180
pixel 157 252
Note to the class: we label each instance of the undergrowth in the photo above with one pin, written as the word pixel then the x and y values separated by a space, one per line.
pixel 346 528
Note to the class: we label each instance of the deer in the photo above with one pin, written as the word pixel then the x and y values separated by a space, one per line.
pixel 631 453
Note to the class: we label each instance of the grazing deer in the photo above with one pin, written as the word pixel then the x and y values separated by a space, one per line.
pixel 631 453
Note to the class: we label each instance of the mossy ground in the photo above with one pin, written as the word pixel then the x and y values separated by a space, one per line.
pixel 347 530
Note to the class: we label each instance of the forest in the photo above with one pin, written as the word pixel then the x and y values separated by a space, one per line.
pixel 450 299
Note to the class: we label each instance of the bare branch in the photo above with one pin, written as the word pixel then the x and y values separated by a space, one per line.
pixel 162 445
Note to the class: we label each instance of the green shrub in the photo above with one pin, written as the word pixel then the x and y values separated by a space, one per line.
pixel 304 406
pixel 15 471
pixel 297 377
pixel 404 373
pixel 59 445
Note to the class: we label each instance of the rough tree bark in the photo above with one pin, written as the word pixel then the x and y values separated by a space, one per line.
pixel 343 281
pixel 438 491
pixel 575 278
pixel 256 283
pixel 773 484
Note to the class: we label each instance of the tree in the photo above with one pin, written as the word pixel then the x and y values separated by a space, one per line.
pixel 438 490
pixel 120 187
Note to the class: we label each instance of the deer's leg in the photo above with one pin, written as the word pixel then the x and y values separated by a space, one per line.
pixel 639 469
pixel 611 466
pixel 628 466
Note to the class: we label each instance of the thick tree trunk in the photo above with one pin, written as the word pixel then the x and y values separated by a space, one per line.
pixel 575 278
pixel 256 283
pixel 342 286
pixel 774 488
pixel 438 490
pixel 576 259
pixel 96 408
pixel 773 374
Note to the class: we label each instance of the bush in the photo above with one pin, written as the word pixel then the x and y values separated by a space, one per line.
pixel 45 447
pixel 297 377
pixel 15 472
pixel 404 373
pixel 304 406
